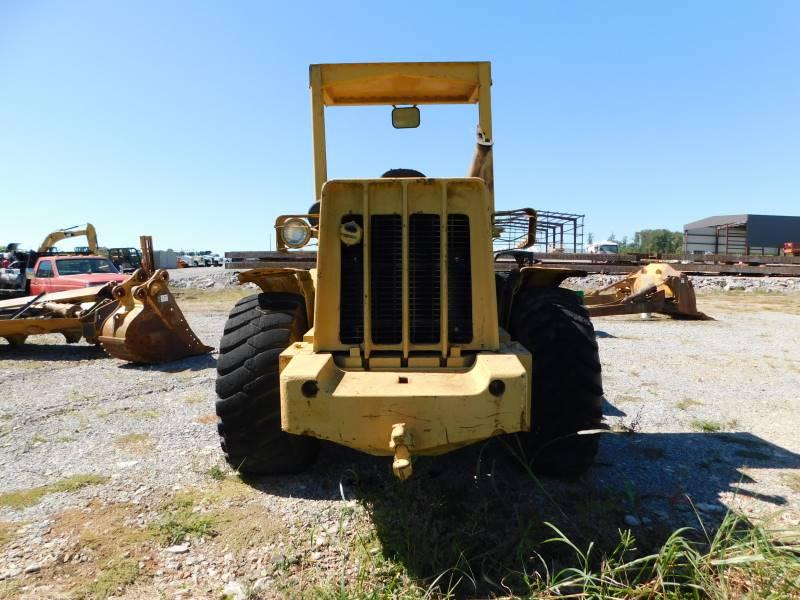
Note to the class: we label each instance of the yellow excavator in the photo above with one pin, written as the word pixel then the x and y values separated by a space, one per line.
pixel 49 243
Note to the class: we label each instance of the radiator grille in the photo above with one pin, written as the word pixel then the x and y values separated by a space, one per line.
pixel 425 309
pixel 459 280
pixel 351 292
pixel 424 278
pixel 386 275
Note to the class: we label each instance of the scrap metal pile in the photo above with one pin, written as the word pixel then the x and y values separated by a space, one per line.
pixel 137 320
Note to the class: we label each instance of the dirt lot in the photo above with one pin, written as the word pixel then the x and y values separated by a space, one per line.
pixel 112 483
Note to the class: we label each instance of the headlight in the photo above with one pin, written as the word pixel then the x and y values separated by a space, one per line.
pixel 295 232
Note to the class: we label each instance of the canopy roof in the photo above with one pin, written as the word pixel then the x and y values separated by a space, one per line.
pixel 400 83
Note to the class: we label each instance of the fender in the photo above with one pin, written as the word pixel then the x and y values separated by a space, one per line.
pixel 535 276
pixel 286 280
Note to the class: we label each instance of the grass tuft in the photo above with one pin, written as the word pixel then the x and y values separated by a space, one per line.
pixel 10 588
pixel 706 426
pixel 76 482
pixel 114 577
pixel 194 398
pixel 181 520
pixel 687 403
pixel 216 473
pixel 740 560
pixel 143 413
pixel 7 532
pixel 713 426
pixel 135 443
pixel 29 497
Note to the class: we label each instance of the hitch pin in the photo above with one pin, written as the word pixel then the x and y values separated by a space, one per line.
pixel 400 442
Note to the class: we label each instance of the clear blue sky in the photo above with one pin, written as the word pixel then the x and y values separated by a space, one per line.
pixel 190 121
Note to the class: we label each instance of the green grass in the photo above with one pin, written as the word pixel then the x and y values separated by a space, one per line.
pixel 143 413
pixel 713 426
pixel 7 532
pixel 10 588
pixel 739 560
pixel 216 473
pixel 194 398
pixel 30 496
pixel 135 443
pixel 223 299
pixel 687 403
pixel 178 522
pixel 429 537
pixel 706 426
pixel 114 576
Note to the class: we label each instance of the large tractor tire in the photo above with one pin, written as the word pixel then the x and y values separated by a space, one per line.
pixel 259 328
pixel 567 389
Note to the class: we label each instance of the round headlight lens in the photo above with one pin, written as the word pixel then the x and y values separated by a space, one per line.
pixel 295 232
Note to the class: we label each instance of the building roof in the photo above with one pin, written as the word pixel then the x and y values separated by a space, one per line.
pixel 740 220
pixel 718 220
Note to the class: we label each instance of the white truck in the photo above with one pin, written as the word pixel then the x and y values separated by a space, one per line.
pixel 603 247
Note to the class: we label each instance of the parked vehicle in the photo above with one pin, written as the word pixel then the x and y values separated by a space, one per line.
pixel 13 276
pixel 604 247
pixel 127 260
pixel 57 273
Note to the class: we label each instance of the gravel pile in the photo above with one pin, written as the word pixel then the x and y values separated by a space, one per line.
pixel 215 278
pixel 702 283
pixel 210 278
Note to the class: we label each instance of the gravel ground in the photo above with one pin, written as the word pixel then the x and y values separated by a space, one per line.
pixel 702 417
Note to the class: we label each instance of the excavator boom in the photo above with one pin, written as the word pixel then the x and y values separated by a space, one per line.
pixel 56 236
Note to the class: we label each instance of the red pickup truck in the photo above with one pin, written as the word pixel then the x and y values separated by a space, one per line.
pixel 60 273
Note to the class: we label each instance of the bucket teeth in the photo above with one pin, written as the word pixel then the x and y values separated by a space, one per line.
pixel 147 325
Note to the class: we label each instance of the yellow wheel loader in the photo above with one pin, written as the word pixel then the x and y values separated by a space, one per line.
pixel 403 341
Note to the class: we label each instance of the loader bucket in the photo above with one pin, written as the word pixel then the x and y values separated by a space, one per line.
pixel 655 288
pixel 147 326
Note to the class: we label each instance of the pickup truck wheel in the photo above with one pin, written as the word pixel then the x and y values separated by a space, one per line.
pixel 259 328
pixel 567 388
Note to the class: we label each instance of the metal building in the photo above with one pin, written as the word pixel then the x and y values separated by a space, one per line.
pixel 740 234
pixel 555 232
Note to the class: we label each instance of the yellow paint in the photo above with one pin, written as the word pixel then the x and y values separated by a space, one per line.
pixel 365 84
pixel 406 196
pixel 442 408
pixel 56 236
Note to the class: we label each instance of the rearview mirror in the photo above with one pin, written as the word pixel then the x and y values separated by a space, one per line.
pixel 405 117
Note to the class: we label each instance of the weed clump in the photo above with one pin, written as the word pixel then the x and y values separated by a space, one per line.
pixel 29 497
pixel 115 576
pixel 182 520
